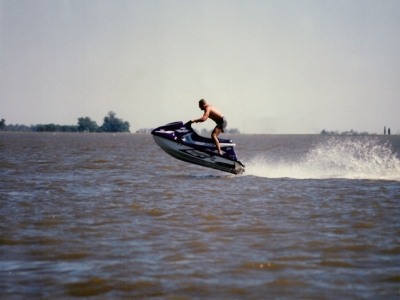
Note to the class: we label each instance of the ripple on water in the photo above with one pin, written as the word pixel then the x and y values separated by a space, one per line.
pixel 107 216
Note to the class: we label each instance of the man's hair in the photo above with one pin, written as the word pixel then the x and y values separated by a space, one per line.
pixel 202 102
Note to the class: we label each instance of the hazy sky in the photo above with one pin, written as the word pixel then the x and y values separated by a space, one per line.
pixel 269 66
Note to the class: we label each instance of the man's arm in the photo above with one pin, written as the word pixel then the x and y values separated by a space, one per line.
pixel 203 118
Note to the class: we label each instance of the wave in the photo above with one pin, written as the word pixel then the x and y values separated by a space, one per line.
pixel 334 158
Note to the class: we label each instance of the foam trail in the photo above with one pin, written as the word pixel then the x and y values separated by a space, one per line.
pixel 334 158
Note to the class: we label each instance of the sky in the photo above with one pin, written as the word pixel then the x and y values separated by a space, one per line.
pixel 276 67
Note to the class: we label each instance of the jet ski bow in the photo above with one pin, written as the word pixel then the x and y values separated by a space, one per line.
pixel 182 142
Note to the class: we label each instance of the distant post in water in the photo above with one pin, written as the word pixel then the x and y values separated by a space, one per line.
pixel 388 131
pixel 384 130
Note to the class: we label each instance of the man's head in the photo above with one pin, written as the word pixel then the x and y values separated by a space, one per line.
pixel 202 104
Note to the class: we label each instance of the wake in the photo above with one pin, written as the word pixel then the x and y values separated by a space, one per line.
pixel 334 158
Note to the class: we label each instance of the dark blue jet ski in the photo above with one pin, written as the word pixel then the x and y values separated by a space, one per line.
pixel 182 142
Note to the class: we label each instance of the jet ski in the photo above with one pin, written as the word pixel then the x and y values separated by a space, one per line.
pixel 182 142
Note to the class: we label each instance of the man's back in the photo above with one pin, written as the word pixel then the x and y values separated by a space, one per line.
pixel 213 113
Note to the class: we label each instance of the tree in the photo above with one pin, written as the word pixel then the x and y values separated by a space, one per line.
pixel 113 124
pixel 67 128
pixel 17 127
pixel 46 127
pixel 2 124
pixel 86 124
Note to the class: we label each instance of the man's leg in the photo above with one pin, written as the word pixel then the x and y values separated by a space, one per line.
pixel 214 136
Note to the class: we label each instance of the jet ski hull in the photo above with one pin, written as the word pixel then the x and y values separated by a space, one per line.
pixel 181 142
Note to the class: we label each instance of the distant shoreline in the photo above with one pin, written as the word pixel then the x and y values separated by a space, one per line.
pixel 230 134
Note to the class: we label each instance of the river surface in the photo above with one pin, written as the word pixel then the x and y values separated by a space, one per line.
pixel 112 216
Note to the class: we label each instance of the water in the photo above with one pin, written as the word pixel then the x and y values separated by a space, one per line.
pixel 112 217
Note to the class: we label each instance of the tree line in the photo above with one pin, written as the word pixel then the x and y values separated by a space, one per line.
pixel 110 124
pixel 351 132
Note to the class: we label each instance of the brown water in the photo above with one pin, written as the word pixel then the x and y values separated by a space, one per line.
pixel 112 216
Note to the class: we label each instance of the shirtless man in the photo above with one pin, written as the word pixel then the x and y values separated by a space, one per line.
pixel 215 115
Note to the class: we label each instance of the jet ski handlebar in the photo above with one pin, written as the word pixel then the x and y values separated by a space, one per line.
pixel 188 124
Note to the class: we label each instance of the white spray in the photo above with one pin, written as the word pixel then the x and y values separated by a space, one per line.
pixel 334 158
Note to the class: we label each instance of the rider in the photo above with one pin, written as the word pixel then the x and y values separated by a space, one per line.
pixel 215 115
